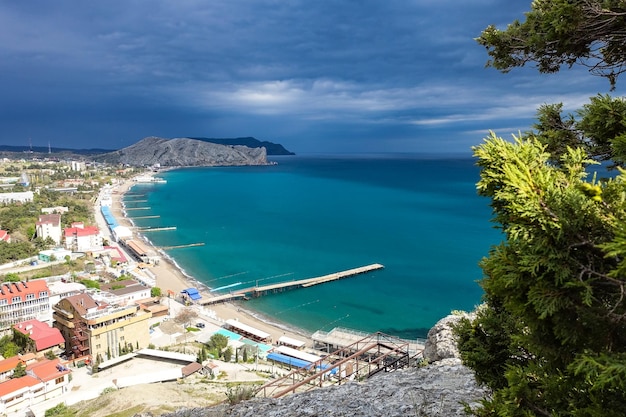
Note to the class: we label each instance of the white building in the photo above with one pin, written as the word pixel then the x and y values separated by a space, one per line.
pixel 49 225
pixel 81 238
pixel 21 197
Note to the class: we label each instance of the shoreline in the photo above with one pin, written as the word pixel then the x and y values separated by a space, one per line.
pixel 172 277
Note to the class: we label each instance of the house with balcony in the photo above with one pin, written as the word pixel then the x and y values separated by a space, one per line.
pixel 23 300
pixel 49 225
pixel 44 379
pixel 37 336
pixel 99 329
pixel 81 238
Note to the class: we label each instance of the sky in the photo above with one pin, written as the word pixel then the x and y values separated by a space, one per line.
pixel 323 76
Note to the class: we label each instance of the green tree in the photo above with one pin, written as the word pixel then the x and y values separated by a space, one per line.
pixel 599 128
pixel 552 339
pixel 563 32
pixel 155 292
pixel 218 341
pixel 12 277
pixel 10 349
pixel 19 371
pixel 228 354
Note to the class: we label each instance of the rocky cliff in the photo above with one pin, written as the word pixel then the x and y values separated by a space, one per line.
pixel 437 389
pixel 184 152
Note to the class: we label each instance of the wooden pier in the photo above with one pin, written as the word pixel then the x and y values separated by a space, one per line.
pixel 136 208
pixel 188 245
pixel 155 229
pixel 156 216
pixel 257 291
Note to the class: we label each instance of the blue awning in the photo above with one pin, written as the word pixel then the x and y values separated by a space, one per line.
pixel 279 357
pixel 192 293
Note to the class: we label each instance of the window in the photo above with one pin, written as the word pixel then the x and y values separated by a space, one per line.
pixel 98 346
pixel 16 300
pixel 122 338
pixel 59 380
pixel 97 337
pixel 43 294
pixel 3 302
pixel 30 296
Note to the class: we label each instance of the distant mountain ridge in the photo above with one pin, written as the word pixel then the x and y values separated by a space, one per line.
pixel 250 142
pixel 45 150
pixel 181 152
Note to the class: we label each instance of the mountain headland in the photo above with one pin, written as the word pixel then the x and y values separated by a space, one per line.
pixel 184 152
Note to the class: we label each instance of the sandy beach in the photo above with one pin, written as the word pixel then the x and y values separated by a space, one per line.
pixel 170 278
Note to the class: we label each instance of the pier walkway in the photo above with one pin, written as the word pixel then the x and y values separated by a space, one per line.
pixel 257 291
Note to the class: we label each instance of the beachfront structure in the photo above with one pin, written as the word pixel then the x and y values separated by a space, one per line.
pixel 49 225
pixel 140 251
pixel 40 336
pixel 99 329
pixel 247 331
pixel 290 342
pixel 81 238
pixel 20 301
pixel 19 197
pixel 44 380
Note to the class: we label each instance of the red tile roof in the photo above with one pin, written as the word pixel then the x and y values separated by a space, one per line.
pixel 54 219
pixel 12 385
pixel 47 369
pixel 9 363
pixel 43 335
pixel 9 290
pixel 81 231
pixel 4 235
pixel 84 302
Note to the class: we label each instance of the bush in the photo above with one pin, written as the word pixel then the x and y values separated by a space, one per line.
pixel 239 393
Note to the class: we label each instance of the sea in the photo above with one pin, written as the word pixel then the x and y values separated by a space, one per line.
pixel 308 216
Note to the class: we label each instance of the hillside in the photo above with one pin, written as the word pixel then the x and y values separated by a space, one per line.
pixel 250 142
pixel 184 152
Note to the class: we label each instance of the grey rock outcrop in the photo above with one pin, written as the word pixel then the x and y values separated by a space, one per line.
pixel 440 343
pixel 438 389
pixel 435 390
pixel 184 152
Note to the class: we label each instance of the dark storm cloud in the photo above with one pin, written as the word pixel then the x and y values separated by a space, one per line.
pixel 315 76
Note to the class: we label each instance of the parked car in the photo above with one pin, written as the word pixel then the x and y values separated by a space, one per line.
pixel 200 325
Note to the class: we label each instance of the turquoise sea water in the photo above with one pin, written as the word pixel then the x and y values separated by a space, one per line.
pixel 311 216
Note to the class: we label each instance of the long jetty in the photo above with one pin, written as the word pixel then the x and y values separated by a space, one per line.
pixel 155 229
pixel 258 291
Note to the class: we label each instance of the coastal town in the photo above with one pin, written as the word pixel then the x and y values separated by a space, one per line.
pixel 98 310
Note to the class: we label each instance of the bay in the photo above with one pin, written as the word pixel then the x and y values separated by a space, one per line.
pixel 310 216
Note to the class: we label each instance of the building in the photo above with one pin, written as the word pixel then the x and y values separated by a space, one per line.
pixel 57 209
pixel 41 336
pixel 19 197
pixel 5 236
pixel 51 255
pixel 126 291
pixel 81 238
pixel 44 380
pixel 20 301
pixel 99 329
pixel 49 225
pixel 140 251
